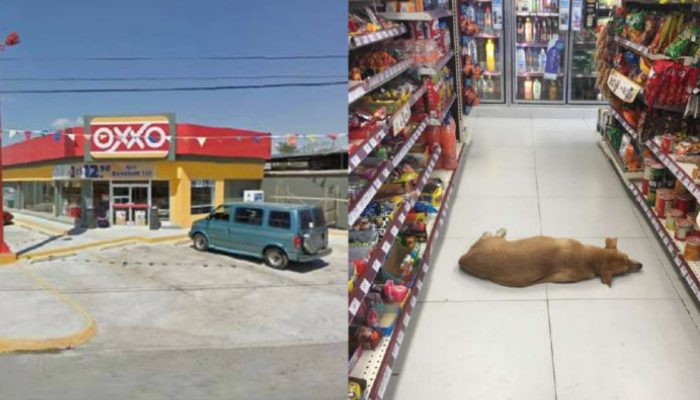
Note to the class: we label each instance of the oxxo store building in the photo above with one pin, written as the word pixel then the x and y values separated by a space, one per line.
pixel 123 165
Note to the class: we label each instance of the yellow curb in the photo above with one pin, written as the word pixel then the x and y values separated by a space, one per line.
pixel 10 345
pixel 49 230
pixel 8 258
pixel 101 244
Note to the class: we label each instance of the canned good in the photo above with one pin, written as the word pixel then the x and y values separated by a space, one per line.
pixel 666 143
pixel 672 216
pixel 683 202
pixel 645 186
pixel 692 248
pixel 657 171
pixel 664 201
pixel 684 228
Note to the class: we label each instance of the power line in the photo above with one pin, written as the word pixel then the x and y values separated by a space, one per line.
pixel 183 58
pixel 177 89
pixel 170 78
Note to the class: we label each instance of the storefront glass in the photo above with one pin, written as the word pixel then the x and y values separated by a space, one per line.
pixel 38 196
pixel 70 203
pixel 202 196
pixel 160 192
pixel 10 195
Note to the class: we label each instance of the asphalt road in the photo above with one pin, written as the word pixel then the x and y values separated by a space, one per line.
pixel 173 323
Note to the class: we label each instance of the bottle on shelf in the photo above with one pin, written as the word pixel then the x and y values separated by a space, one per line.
pixel 553 91
pixel 521 31
pixel 490 87
pixel 528 88
pixel 487 19
pixel 529 60
pixel 480 18
pixel 542 60
pixel 536 89
pixel 535 31
pixel 520 61
pixel 490 56
pixel 528 30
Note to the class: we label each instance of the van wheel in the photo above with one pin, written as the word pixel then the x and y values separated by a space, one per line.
pixel 275 258
pixel 200 242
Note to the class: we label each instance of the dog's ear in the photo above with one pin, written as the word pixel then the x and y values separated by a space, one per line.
pixel 611 243
pixel 606 277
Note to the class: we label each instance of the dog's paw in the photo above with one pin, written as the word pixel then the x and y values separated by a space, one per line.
pixel 501 232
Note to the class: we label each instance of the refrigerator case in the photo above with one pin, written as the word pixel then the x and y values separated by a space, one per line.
pixel 481 37
pixel 539 51
pixel 591 14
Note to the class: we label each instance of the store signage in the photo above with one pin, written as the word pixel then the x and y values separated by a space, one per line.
pixel 564 15
pixel 130 137
pixel 108 171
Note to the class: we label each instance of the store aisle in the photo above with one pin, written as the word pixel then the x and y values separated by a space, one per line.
pixel 472 339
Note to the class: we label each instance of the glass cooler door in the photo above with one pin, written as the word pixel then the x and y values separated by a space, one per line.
pixel 540 29
pixel 587 17
pixel 482 39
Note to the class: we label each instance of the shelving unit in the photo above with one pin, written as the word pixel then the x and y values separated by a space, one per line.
pixel 375 365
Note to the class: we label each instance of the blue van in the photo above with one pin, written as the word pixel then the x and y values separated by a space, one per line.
pixel 278 233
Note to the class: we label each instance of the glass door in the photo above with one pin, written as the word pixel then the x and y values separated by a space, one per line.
pixel 482 40
pixel 540 29
pixel 588 16
pixel 130 203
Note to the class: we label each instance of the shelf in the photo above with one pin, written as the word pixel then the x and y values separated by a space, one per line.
pixel 433 69
pixel 585 76
pixel 375 37
pixel 416 16
pixel 536 14
pixel 448 106
pixel 632 132
pixel 524 44
pixel 534 74
pixel 383 247
pixel 483 35
pixel 383 358
pixel 355 210
pixel 689 270
pixel 682 171
pixel 616 161
pixel 359 89
pixel 371 143
pixel 644 51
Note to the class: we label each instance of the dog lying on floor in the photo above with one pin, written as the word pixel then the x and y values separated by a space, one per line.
pixel 540 259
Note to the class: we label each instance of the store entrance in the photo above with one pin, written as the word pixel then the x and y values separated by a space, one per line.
pixel 130 202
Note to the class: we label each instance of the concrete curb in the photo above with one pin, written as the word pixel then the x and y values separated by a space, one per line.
pixel 62 251
pixel 14 345
pixel 49 230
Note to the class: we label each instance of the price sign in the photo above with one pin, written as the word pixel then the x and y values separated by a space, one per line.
pixel 395 230
pixel 376 264
pixel 365 286
pixel 395 351
pixel 385 381
pixel 385 247
pixel 354 306
pixel 355 160
pixel 399 337
pixel 400 118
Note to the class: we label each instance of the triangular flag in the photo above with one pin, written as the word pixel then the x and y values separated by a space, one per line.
pixel 333 136
pixel 169 138
pixel 256 139
pixel 239 138
pixel 27 135
pixel 201 140
pixel 86 136
pixel 57 136
pixel 71 136
pixel 12 133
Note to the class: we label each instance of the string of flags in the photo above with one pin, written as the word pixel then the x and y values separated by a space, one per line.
pixel 289 138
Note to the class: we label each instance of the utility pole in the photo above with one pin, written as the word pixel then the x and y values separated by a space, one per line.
pixel 5 254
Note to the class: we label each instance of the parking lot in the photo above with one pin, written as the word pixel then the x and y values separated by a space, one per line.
pixel 175 323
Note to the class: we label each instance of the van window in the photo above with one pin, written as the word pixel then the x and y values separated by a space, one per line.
pixel 222 213
pixel 249 215
pixel 280 219
pixel 312 216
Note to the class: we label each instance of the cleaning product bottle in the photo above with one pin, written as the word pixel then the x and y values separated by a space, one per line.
pixel 487 19
pixel 528 89
pixel 490 56
pixel 472 51
pixel 528 30
pixel 448 143
pixel 536 89
pixel 520 62
pixel 542 60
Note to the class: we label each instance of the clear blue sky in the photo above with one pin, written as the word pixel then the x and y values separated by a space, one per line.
pixel 52 29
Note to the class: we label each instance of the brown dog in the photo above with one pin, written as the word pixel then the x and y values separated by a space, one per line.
pixel 544 259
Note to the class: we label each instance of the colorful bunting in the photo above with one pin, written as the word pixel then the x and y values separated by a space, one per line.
pixel 201 140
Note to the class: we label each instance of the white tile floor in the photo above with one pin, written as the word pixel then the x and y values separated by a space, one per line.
pixel 472 339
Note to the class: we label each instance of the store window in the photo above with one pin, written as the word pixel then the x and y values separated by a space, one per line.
pixel 160 197
pixel 280 219
pixel 233 189
pixel 69 200
pixel 249 215
pixel 202 196
pixel 38 196
pixel 10 195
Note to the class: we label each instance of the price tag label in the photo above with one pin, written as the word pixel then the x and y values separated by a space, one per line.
pixel 413 301
pixel 385 247
pixel 355 160
pixel 373 142
pixel 395 230
pixel 367 148
pixel 406 320
pixel 400 118
pixel 399 337
pixel 365 286
pixel 684 270
pixel 425 267
pixel 376 264
pixel 402 217
pixel 385 172
pixel 354 306
pixel 419 284
pixel 385 382
pixel 376 184
pixel 395 351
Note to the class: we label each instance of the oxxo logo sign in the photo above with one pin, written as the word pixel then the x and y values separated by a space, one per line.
pixel 130 137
